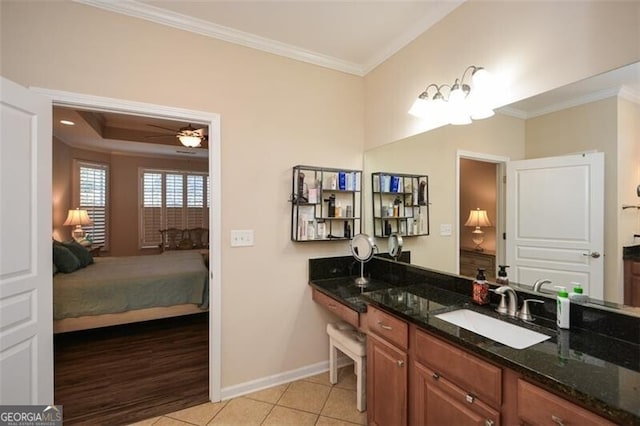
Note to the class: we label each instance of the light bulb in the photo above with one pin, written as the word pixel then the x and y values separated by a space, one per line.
pixel 420 108
pixel 481 78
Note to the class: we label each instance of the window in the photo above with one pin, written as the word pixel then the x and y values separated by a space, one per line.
pixel 172 199
pixel 91 194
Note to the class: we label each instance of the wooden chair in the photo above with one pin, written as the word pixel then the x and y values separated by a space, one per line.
pixel 171 238
pixel 199 237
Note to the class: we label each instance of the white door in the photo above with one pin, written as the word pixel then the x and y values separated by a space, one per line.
pixel 26 324
pixel 555 221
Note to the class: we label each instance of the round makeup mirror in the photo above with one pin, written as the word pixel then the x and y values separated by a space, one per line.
pixel 362 248
pixel 395 245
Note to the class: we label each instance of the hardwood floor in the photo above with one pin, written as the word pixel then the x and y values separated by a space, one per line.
pixel 123 374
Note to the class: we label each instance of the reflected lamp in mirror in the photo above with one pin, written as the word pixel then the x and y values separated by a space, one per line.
pixel 478 219
pixel 459 103
pixel 78 218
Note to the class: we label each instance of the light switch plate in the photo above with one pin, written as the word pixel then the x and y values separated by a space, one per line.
pixel 242 238
pixel 446 229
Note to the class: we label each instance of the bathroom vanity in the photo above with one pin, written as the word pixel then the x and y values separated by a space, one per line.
pixel 423 370
pixel 631 261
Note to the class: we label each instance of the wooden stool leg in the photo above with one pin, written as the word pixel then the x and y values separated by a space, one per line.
pixel 361 397
pixel 333 363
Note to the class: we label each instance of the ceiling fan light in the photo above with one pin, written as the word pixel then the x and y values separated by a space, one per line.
pixel 190 141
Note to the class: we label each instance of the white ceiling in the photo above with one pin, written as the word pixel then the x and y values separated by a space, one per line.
pixel 353 36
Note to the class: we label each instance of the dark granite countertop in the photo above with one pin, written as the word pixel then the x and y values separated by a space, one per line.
pixel 595 369
pixel 631 252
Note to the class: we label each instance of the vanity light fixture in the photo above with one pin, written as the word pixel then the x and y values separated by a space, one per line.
pixel 67 122
pixel 459 103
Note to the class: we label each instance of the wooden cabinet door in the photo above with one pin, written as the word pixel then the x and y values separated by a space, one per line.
pixel 436 402
pixel 386 384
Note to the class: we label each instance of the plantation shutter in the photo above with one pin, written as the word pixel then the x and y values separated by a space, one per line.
pixel 151 209
pixel 195 201
pixel 93 199
pixel 174 201
pixel 171 199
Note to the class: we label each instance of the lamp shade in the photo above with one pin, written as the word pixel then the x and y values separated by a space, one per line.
pixel 78 217
pixel 478 218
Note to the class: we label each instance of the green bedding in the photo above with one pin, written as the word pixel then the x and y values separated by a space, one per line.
pixel 120 284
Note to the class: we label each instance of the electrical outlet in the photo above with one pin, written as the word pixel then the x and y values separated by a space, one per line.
pixel 446 229
pixel 242 238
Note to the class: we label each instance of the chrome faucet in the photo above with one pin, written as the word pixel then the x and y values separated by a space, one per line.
pixel 538 284
pixel 512 307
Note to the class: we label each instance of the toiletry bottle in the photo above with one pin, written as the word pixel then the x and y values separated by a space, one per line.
pixel 576 295
pixel 347 230
pixel 338 209
pixel 562 315
pixel 502 275
pixel 331 207
pixel 311 230
pixel 480 288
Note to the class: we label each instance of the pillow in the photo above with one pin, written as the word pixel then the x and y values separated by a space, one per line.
pixel 64 259
pixel 80 252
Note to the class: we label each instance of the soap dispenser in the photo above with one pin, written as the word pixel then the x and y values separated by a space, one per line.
pixel 576 295
pixel 502 275
pixel 480 288
pixel 563 305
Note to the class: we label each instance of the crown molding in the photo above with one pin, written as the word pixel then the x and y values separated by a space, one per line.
pixel 158 15
pixel 624 92
pixel 629 94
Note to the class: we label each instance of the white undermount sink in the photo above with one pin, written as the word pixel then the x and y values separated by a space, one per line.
pixel 494 329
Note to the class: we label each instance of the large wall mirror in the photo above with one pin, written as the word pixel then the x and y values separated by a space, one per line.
pixel 599 114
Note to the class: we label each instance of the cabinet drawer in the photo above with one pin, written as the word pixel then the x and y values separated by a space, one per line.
pixel 536 406
pixel 339 309
pixel 474 375
pixel 387 326
pixel 440 402
pixel 635 267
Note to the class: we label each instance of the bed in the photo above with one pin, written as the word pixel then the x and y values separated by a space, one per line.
pixel 120 290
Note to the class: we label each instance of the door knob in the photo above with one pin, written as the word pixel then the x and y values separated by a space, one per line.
pixel 593 254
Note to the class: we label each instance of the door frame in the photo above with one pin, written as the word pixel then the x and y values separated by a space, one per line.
pixel 97 103
pixel 501 188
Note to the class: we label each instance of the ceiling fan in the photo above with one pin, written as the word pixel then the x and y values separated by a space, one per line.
pixel 188 136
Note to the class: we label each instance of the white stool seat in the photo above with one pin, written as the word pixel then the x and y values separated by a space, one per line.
pixel 350 342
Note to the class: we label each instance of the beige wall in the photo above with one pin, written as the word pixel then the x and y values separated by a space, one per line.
pixel 478 190
pixel 529 46
pixel 124 199
pixel 278 112
pixel 61 189
pixel 434 153
pixel 123 229
pixel 275 113
pixel 592 126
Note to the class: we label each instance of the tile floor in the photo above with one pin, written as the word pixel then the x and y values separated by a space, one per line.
pixel 310 401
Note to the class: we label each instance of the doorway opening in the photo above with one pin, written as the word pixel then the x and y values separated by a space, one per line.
pixel 212 123
pixel 480 212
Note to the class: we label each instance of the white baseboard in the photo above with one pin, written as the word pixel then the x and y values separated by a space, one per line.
pixel 280 378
